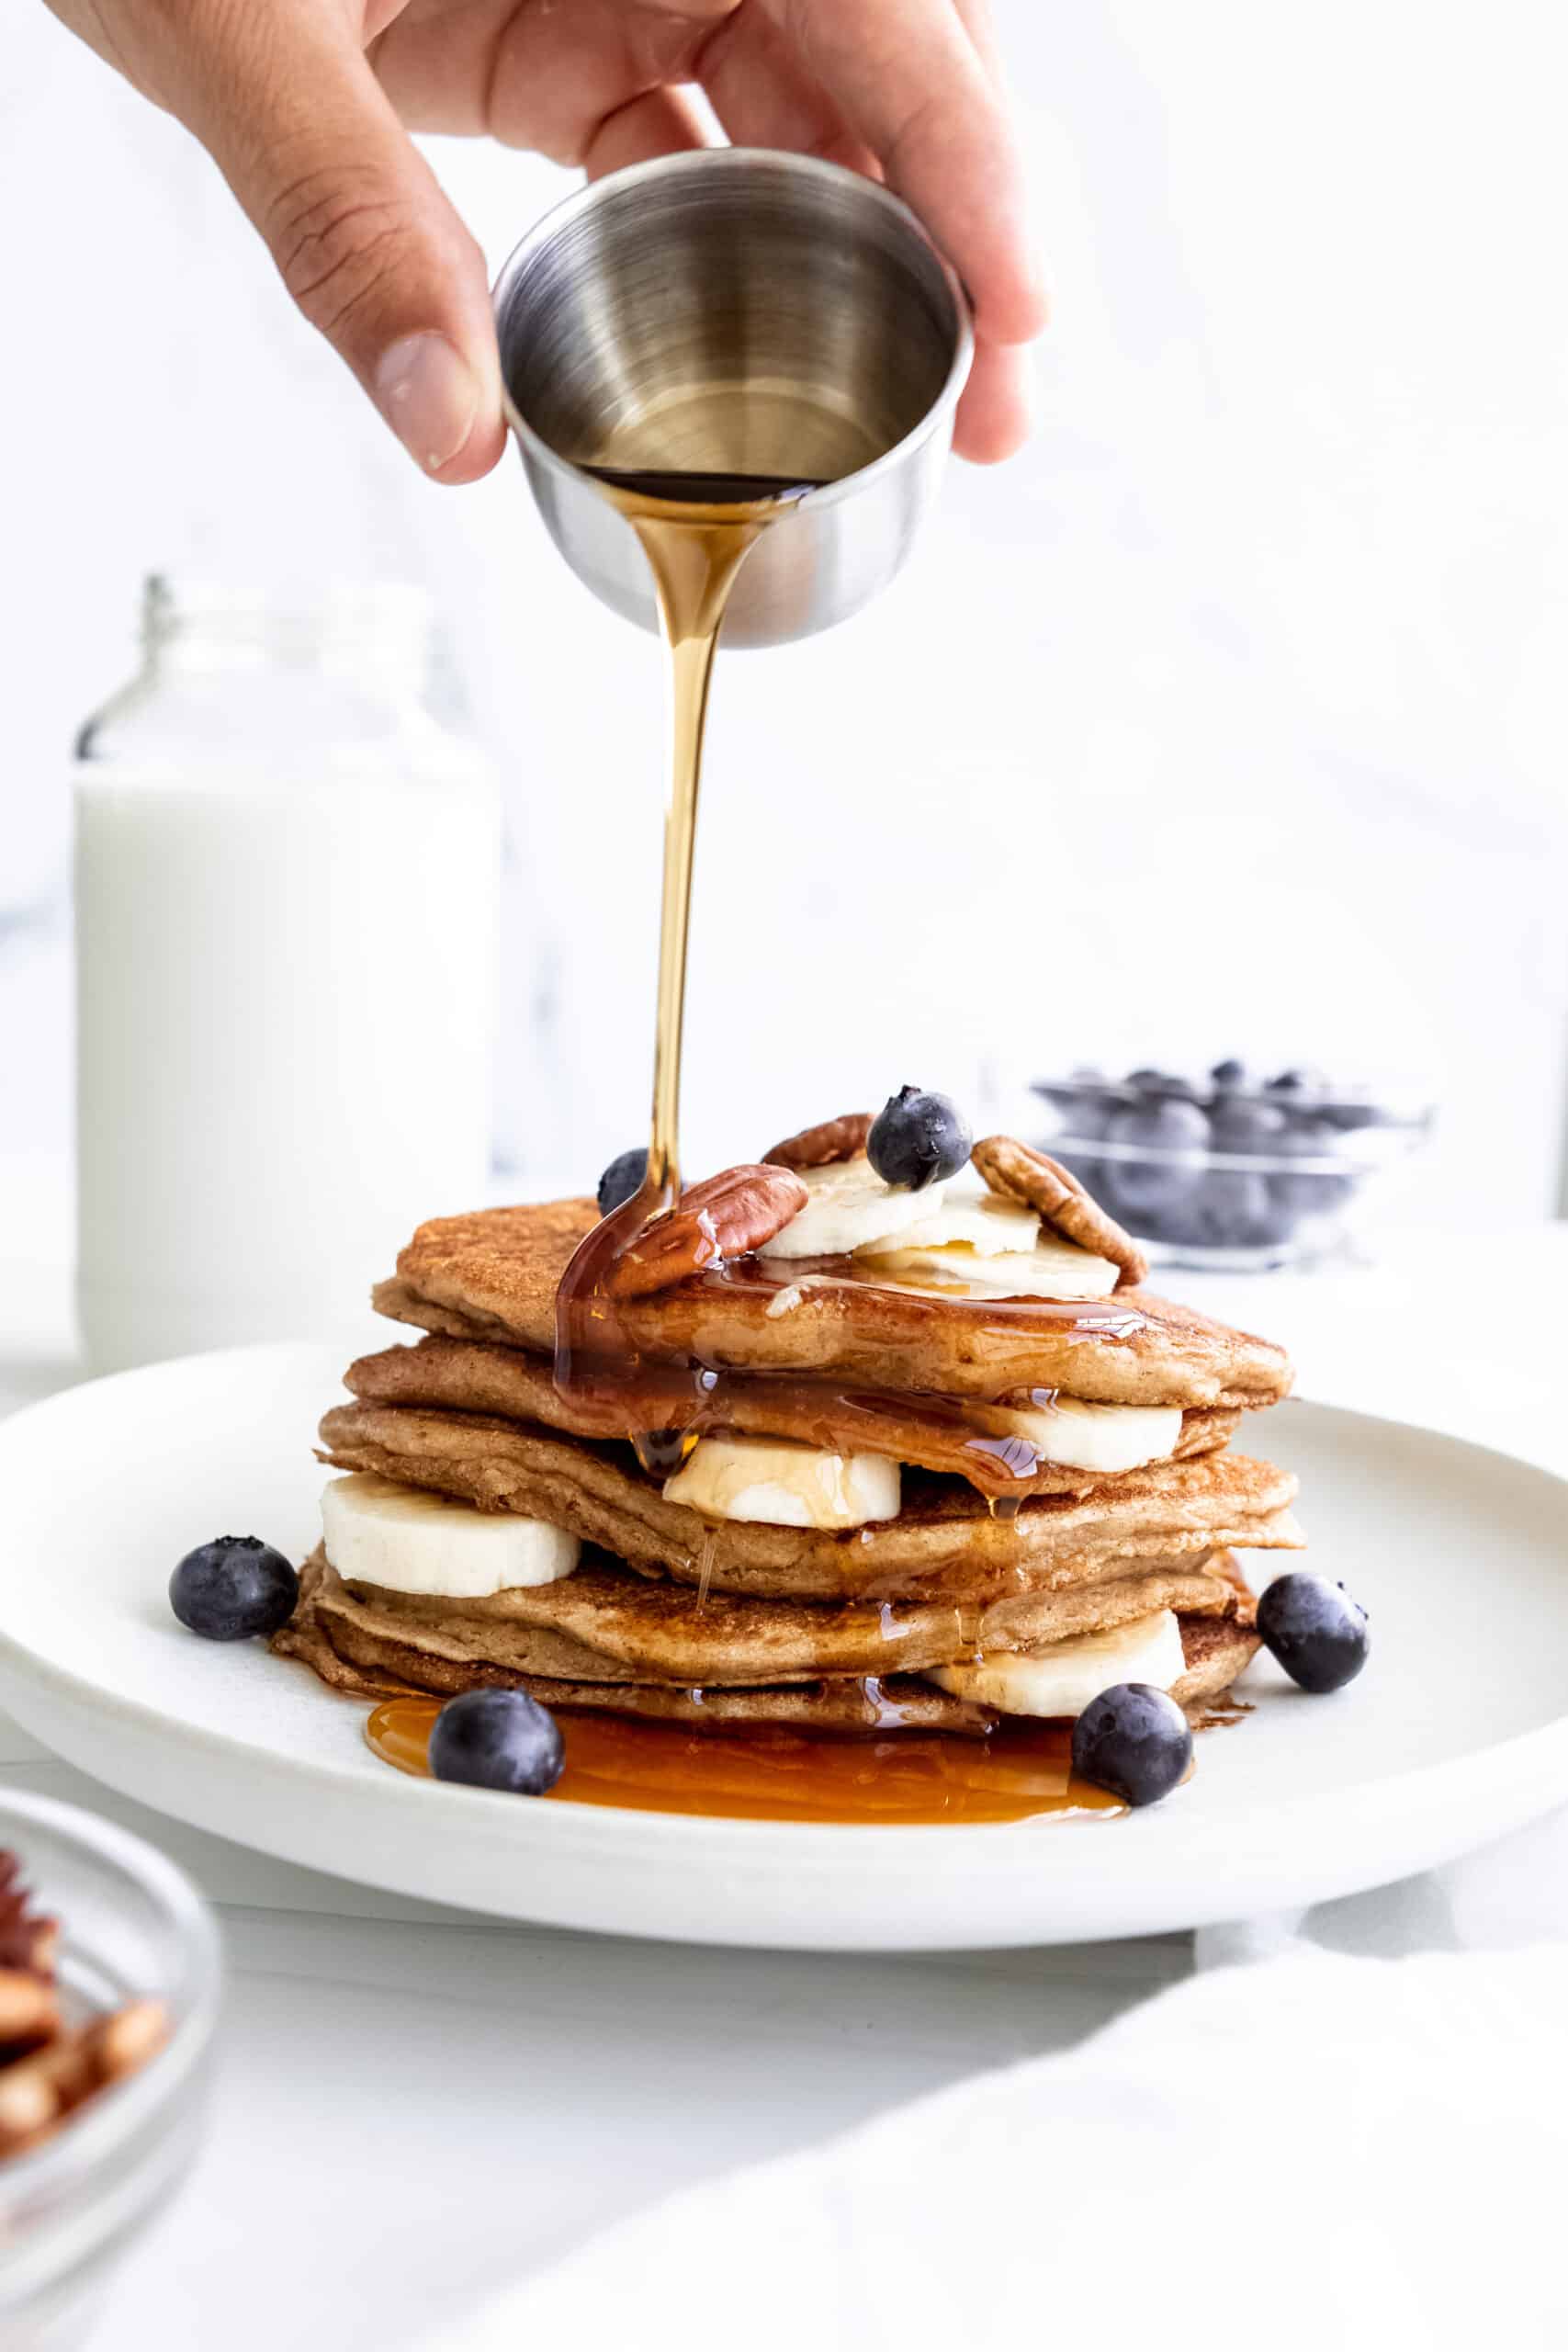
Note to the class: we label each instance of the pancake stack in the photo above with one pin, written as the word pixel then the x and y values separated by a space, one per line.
pixel 850 1459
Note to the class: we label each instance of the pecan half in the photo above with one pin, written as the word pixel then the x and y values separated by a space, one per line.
pixel 1015 1171
pixel 721 1219
pixel 842 1138
pixel 26 1939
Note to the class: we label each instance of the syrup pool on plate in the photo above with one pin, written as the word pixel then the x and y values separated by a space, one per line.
pixel 1021 1770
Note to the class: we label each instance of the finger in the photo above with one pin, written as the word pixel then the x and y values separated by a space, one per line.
pixel 909 82
pixel 980 25
pixel 764 97
pixel 981 29
pixel 660 122
pixel 362 235
pixel 997 412
pixel 546 78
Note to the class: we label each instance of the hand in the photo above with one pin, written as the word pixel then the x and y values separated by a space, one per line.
pixel 304 106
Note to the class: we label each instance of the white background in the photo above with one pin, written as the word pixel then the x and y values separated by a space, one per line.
pixel 1230 715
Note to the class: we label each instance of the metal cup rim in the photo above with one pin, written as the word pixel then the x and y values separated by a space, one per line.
pixel 704 159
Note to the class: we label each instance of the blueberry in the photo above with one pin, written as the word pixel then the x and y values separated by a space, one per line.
pixel 1160 1224
pixel 1228 1078
pixel 1246 1126
pixel 917 1139
pixel 1087 1166
pixel 1162 1086
pixel 1134 1741
pixel 1316 1629
pixel 1146 1185
pixel 232 1588
pixel 1235 1211
pixel 1231 1209
pixel 1085 1102
pixel 497 1739
pixel 1317 1192
pixel 621 1180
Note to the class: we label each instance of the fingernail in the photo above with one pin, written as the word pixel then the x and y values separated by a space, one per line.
pixel 428 394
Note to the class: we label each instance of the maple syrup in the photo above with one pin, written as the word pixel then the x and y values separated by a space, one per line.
pixel 765 1773
pixel 662 1409
pixel 696 526
pixel 641 485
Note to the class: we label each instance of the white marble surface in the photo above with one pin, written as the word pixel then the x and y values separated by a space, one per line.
pixel 414 2106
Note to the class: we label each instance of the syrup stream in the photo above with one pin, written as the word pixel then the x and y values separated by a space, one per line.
pixel 697 530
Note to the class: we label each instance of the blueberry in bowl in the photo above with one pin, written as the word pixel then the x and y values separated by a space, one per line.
pixel 1087 1099
pixel 1229 1209
pixel 1157 1155
pixel 1320 1184
pixel 1164 1086
pixel 1241 1123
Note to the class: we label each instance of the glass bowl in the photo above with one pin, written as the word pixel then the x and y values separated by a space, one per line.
pixel 1236 1177
pixel 131 1923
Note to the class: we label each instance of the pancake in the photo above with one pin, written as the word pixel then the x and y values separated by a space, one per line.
pixel 603 1623
pixel 943 1542
pixel 348 1649
pixel 478 1377
pixel 493 1274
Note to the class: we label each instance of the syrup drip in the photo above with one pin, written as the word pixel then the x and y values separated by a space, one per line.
pixel 663 1408
pixel 765 1773
pixel 696 529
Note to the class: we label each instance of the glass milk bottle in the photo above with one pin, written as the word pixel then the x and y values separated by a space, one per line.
pixel 286 877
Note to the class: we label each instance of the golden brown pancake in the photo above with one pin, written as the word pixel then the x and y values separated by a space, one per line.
pixel 493 1274
pixel 944 1540
pixel 479 1377
pixel 603 1623
pixel 374 1655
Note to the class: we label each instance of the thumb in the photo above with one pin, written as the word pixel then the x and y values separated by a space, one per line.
pixel 363 235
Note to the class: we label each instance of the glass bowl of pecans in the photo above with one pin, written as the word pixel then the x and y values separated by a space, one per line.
pixel 108 1991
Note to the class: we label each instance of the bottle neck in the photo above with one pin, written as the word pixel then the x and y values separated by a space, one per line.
pixel 375 640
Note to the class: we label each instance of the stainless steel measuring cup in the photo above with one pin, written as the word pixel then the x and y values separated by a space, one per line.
pixel 737 310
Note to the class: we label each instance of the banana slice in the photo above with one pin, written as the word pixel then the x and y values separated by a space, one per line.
pixel 775 1482
pixel 850 1207
pixel 979 1221
pixel 1082 1436
pixel 409 1541
pixel 1056 1270
pixel 1062 1680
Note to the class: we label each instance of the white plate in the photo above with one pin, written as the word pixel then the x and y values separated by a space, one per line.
pixel 1455 1733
